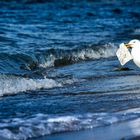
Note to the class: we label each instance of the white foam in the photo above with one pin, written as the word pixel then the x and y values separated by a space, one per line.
pixel 13 84
pixel 105 51
pixel 42 124
pixel 137 31
pixel 62 119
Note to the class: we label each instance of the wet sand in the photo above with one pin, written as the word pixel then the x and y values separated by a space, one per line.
pixel 122 131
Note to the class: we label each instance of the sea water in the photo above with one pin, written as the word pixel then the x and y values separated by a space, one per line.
pixel 58 66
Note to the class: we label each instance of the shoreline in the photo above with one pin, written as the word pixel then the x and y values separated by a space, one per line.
pixel 129 130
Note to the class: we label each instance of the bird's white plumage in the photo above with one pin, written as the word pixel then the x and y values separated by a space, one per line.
pixel 135 52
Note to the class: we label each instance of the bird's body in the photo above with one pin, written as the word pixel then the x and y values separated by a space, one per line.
pixel 135 52
pixel 136 55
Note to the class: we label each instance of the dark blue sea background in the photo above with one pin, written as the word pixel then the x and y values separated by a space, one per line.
pixel 58 66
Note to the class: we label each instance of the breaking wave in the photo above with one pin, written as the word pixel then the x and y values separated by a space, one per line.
pixel 58 57
pixel 42 124
pixel 13 84
pixel 54 57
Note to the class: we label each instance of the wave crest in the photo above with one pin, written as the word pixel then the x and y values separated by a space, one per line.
pixel 53 57
pixel 59 57
pixel 12 84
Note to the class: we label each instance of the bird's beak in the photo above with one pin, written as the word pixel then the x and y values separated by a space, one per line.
pixel 128 45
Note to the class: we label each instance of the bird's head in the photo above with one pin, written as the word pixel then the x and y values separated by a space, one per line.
pixel 133 43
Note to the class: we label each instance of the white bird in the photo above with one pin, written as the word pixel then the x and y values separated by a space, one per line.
pixel 135 52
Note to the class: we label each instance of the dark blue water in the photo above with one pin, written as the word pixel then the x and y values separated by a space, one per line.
pixel 58 67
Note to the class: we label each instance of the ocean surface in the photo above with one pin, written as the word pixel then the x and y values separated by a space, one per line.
pixel 58 67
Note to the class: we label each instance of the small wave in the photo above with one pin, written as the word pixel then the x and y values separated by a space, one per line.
pixel 42 124
pixel 53 57
pixel 59 57
pixel 12 84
